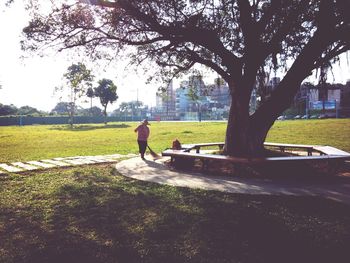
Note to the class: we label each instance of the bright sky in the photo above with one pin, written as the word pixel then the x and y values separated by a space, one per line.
pixel 32 80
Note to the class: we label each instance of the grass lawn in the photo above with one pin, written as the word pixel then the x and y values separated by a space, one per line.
pixel 39 142
pixel 91 214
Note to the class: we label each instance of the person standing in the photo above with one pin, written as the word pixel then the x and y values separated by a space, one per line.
pixel 142 137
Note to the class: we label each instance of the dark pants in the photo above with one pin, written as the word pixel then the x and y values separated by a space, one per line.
pixel 142 147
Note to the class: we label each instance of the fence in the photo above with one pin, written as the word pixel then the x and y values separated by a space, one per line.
pixel 30 120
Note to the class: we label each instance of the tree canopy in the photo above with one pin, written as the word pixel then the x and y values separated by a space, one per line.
pixel 107 92
pixel 226 35
pixel 78 77
pixel 13 110
pixel 238 39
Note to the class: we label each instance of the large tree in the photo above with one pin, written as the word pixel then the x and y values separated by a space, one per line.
pixel 238 39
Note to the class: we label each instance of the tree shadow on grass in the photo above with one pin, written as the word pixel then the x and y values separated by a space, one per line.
pixel 127 221
pixel 89 127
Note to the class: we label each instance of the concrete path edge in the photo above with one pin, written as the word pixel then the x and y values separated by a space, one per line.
pixel 157 172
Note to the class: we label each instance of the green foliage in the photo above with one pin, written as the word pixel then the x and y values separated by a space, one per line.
pixel 8 110
pixel 39 142
pixel 78 77
pixel 90 92
pixel 107 92
pixel 93 111
pixel 27 110
pixel 61 108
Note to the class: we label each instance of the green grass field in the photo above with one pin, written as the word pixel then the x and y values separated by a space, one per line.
pixel 92 214
pixel 38 142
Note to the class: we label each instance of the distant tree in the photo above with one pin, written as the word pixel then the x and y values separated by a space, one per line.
pixel 96 111
pixel 131 108
pixel 27 110
pixel 78 78
pixel 90 94
pixel 61 108
pixel 93 112
pixel 8 110
pixel 135 107
pixel 107 92
pixel 123 107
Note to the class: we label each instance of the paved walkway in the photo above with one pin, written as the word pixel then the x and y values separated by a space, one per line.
pixel 17 167
pixel 336 188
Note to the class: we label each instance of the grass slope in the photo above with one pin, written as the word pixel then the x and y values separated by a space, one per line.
pixel 39 142
pixel 91 214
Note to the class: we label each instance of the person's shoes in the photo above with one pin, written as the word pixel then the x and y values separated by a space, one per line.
pixel 143 158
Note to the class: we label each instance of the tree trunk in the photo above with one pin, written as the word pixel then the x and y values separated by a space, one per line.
pixel 245 135
pixel 242 138
pixel 105 114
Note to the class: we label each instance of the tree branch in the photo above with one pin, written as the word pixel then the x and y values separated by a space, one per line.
pixel 284 29
pixel 267 16
pixel 189 33
pixel 246 22
pixel 103 3
pixel 196 57
pixel 282 96
pixel 330 55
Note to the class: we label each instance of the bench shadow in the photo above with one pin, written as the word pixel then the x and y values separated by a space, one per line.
pixel 304 173
pixel 89 127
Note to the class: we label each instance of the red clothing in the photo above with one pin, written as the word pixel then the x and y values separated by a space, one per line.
pixel 142 132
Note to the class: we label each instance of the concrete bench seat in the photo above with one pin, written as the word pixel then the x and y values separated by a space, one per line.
pixel 326 153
